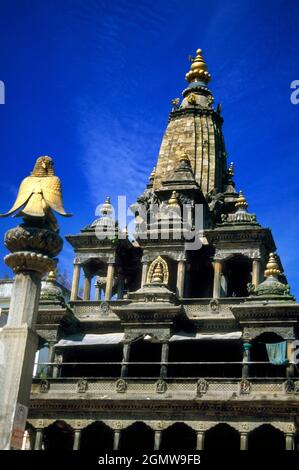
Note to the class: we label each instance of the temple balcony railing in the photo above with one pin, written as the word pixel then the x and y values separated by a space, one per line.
pixel 264 380
pixel 144 388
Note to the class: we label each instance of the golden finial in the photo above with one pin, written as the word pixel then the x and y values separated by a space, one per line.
pixel 153 174
pixel 272 268
pixel 173 201
pixel 52 276
pixel 198 71
pixel 158 274
pixel 231 170
pixel 106 208
pixel 241 202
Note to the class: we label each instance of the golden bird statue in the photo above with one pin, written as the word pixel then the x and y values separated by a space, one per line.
pixel 39 193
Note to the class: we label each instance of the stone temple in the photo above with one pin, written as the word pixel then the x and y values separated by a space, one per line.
pixel 182 337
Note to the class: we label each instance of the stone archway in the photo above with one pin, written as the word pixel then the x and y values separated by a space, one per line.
pixel 222 436
pixel 58 436
pixel 137 436
pixel 266 437
pixel 97 437
pixel 178 437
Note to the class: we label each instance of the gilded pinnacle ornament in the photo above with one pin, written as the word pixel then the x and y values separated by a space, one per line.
pixel 241 202
pixel 173 200
pixel 153 174
pixel 198 71
pixel 272 268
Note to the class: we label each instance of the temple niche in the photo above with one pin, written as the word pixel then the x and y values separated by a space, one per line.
pixel 190 325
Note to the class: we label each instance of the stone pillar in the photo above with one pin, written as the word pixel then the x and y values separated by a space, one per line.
pixel 181 278
pixel 125 360
pixel 290 440
pixel 77 438
pixel 256 271
pixel 97 292
pixel 144 273
pixel 246 358
pixel 38 439
pixel 33 247
pixel 58 359
pixel 120 287
pixel 164 360
pixel 87 287
pixel 217 279
pixel 244 440
pixel 200 440
pixel 290 370
pixel 51 357
pixel 76 280
pixel 116 439
pixel 158 435
pixel 19 338
pixel 110 278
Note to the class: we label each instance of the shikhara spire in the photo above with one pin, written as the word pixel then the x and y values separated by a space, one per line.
pixel 194 129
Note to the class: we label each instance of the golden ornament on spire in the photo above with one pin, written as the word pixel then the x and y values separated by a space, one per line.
pixel 198 71
pixel 153 174
pixel 231 170
pixel 52 276
pixel 173 201
pixel 39 193
pixel 241 202
pixel 106 208
pixel 272 268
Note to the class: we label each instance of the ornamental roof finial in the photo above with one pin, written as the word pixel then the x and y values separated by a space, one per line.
pixel 152 175
pixel 241 202
pixel 173 200
pixel 272 267
pixel 198 71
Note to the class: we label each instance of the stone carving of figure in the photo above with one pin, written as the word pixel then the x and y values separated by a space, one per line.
pixel 121 386
pixel 202 386
pixel 161 386
pixel 82 386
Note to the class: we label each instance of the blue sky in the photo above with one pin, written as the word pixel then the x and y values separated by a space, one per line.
pixel 90 83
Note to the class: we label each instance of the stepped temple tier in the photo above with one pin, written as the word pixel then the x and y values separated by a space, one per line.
pixel 164 343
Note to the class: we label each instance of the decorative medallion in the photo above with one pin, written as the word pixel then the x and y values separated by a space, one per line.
pixel 202 386
pixel 158 271
pixel 121 386
pixel 245 387
pixel 289 386
pixel 161 386
pixel 82 386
